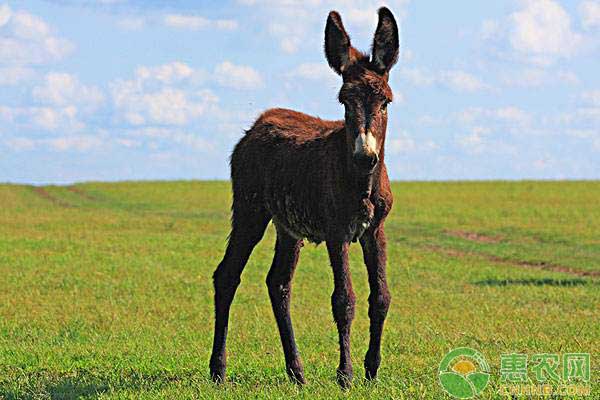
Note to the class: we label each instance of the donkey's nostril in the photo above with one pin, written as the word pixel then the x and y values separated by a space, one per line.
pixel 366 161
pixel 374 160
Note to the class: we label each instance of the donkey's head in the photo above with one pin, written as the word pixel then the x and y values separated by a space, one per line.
pixel 365 92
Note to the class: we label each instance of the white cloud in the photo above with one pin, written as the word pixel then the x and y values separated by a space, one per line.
pixel 175 136
pixel 48 118
pixel 536 77
pixel 171 94
pixel 27 39
pixel 591 97
pixel 196 22
pixel 62 103
pixel 6 113
pixel 473 142
pixel 186 21
pixel 589 116
pixel 226 24
pixel 296 24
pixel 109 2
pixel 429 120
pixel 178 21
pixel 130 143
pixel 590 14
pixel 456 80
pixel 511 116
pixel 80 143
pixel 582 116
pixel 62 143
pixel 5 13
pixel 361 16
pixel 312 71
pixel 52 119
pixel 165 95
pixel 543 163
pixel 10 76
pixel 28 26
pixel 481 130
pixel 584 133
pixel 481 140
pixel 417 77
pixel 403 143
pixel 541 30
pixel 289 35
pixel 461 81
pixel 63 90
pixel 237 76
pixel 171 73
pixel 483 124
pixel 20 143
pixel 168 106
pixel 590 113
pixel 131 23
pixel 317 72
pixel 490 29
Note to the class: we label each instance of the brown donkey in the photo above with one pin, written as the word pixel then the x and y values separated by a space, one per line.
pixel 319 180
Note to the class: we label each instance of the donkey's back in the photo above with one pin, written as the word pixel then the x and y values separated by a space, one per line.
pixel 280 132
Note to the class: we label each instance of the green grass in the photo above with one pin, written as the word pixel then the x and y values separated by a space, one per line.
pixel 106 292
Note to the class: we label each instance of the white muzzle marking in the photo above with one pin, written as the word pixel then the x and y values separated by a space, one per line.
pixel 365 144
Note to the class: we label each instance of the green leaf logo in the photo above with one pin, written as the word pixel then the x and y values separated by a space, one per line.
pixel 464 373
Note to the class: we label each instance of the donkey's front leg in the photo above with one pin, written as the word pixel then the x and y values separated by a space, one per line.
pixel 342 301
pixel 374 252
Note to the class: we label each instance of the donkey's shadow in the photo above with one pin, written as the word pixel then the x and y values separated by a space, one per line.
pixel 90 386
pixel 64 390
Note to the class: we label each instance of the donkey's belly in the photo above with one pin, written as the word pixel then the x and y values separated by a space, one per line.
pixel 299 220
pixel 320 225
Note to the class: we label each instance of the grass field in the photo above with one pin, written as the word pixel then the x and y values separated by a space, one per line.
pixel 106 292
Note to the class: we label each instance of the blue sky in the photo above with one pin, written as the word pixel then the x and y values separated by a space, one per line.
pixel 124 89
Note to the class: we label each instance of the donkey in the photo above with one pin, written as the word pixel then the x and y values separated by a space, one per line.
pixel 321 181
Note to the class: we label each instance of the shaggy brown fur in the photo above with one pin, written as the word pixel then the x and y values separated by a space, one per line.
pixel 322 181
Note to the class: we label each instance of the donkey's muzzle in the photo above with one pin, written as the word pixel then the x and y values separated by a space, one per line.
pixel 365 163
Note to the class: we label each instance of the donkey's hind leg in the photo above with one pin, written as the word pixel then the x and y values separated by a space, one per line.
pixel 279 282
pixel 248 227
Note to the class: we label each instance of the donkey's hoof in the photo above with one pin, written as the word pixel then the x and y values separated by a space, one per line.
pixel 217 376
pixel 296 375
pixel 370 374
pixel 371 364
pixel 217 372
pixel 344 378
pixel 371 370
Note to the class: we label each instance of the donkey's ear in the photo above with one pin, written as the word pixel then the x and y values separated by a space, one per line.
pixel 386 43
pixel 338 49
